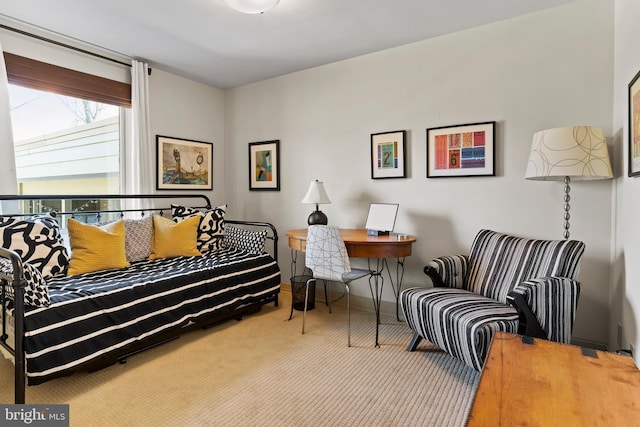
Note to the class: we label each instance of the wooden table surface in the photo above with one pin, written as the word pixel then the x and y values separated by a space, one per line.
pixel 551 384
pixel 361 245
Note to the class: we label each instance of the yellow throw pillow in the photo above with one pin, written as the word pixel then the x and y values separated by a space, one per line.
pixel 96 248
pixel 172 239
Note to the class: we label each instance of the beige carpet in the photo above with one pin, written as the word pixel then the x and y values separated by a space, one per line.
pixel 262 372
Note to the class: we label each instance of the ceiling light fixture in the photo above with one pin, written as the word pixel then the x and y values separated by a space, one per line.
pixel 252 6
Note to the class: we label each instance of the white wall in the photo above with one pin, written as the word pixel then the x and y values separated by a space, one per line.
pixel 527 73
pixel 625 291
pixel 182 108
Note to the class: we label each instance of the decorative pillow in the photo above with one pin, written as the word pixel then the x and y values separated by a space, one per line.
pixel 38 241
pixel 173 239
pixel 138 238
pixel 211 228
pixel 96 248
pixel 246 240
pixel 36 293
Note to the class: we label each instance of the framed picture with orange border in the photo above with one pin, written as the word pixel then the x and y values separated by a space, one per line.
pixel 388 155
pixel 461 150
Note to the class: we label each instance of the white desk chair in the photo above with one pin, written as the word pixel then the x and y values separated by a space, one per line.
pixel 326 256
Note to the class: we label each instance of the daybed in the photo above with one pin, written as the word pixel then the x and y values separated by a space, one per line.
pixel 124 285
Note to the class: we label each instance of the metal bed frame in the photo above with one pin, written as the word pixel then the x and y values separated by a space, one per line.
pixel 17 283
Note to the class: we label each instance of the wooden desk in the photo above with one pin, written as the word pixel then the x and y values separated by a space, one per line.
pixel 361 245
pixel 551 384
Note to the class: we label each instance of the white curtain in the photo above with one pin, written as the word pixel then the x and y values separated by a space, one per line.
pixel 139 147
pixel 8 180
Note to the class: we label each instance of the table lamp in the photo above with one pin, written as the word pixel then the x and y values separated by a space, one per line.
pixel 566 153
pixel 316 195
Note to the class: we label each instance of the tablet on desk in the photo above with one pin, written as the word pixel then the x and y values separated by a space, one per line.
pixel 381 218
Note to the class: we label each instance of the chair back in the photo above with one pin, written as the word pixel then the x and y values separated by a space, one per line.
pixel 326 255
pixel 499 262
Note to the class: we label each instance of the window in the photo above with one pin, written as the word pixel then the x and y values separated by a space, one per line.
pixel 64 145
pixel 67 132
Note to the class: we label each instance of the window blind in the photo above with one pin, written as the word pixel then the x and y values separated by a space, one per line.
pixel 64 81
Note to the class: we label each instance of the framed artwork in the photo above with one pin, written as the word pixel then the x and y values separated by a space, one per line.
pixel 183 164
pixel 634 126
pixel 387 154
pixel 461 150
pixel 264 166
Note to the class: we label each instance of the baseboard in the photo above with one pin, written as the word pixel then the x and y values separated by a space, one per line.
pixel 589 344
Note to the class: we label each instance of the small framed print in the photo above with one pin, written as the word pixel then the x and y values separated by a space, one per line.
pixel 634 126
pixel 264 166
pixel 461 150
pixel 183 164
pixel 388 155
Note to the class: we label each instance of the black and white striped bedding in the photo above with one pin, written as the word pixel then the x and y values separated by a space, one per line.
pixel 97 313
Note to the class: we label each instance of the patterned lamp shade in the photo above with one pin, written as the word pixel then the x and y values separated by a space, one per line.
pixel 566 154
pixel 578 152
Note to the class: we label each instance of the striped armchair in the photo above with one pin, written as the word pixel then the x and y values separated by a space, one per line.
pixel 506 283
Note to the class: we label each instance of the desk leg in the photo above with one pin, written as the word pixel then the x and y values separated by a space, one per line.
pixel 399 277
pixel 294 259
pixel 294 256
pixel 376 285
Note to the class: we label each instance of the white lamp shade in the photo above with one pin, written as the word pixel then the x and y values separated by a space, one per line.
pixel 579 152
pixel 316 194
pixel 252 6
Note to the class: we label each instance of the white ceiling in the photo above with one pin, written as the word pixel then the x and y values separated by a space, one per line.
pixel 206 41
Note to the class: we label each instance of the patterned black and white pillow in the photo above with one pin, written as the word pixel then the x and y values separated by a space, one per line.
pixel 138 237
pixel 211 228
pixel 38 241
pixel 246 240
pixel 36 292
